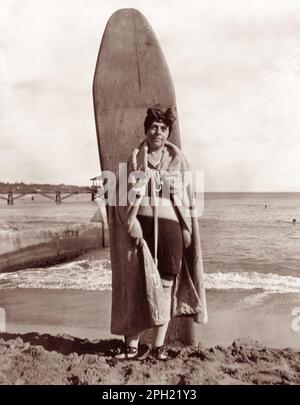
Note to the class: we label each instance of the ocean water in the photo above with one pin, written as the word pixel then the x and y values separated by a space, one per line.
pixel 249 244
pixel 240 235
pixel 43 214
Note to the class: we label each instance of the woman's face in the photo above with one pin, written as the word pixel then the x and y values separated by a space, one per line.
pixel 157 135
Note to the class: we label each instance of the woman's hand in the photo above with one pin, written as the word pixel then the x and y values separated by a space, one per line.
pixel 187 239
pixel 136 232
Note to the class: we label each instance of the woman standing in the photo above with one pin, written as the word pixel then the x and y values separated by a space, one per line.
pixel 157 273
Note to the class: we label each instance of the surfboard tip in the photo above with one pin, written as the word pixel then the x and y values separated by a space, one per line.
pixel 126 13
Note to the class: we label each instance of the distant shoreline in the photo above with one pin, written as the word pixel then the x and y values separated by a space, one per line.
pixel 20 187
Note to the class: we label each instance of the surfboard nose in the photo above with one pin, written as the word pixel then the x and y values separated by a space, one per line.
pixel 124 14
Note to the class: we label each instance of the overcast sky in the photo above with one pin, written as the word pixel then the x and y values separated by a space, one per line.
pixel 236 71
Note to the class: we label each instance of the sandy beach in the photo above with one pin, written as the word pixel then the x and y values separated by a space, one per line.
pixel 62 337
pixel 45 359
pixel 86 314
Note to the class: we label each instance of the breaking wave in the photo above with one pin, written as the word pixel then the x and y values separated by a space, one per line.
pixel 95 274
pixel 269 282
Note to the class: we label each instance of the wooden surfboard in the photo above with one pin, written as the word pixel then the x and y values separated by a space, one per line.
pixel 131 75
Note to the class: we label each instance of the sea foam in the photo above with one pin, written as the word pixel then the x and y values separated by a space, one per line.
pixel 95 274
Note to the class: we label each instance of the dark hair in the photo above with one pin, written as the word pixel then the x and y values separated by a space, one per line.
pixel 157 114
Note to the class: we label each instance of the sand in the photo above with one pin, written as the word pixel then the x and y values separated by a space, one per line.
pixel 86 314
pixel 35 358
pixel 62 337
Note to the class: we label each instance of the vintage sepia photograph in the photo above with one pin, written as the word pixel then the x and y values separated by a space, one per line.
pixel 149 194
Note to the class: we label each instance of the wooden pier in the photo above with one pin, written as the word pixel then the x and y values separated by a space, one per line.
pixel 12 192
pixel 57 196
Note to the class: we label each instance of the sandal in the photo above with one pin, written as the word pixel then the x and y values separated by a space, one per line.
pixel 129 353
pixel 160 353
pixel 133 353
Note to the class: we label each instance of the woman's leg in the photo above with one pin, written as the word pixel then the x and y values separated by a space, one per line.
pixel 159 333
pixel 170 249
pixel 131 348
pixel 133 340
